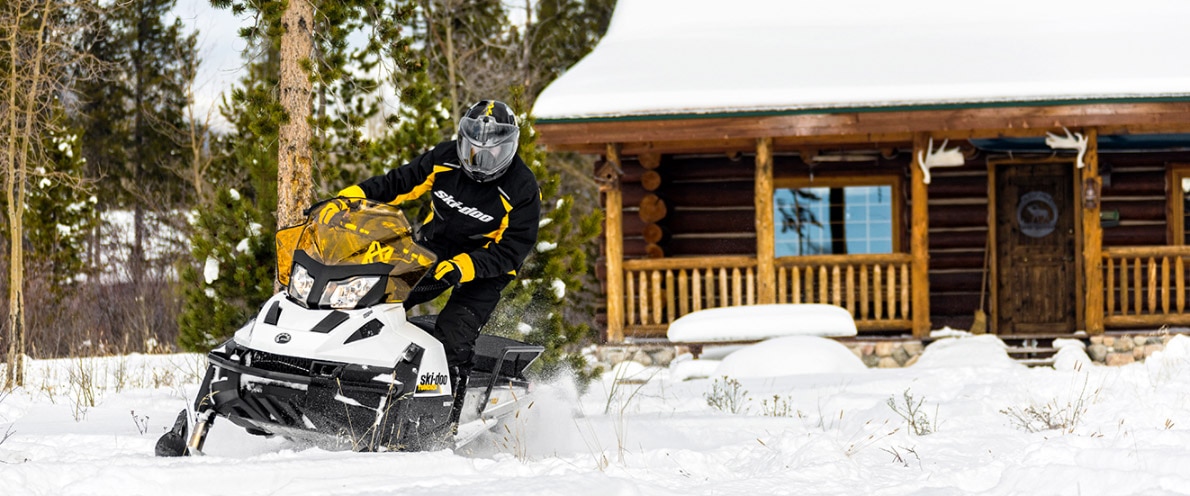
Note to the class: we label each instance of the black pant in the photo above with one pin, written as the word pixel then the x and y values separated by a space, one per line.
pixel 467 310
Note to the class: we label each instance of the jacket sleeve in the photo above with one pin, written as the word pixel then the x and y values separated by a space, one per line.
pixel 511 243
pixel 408 181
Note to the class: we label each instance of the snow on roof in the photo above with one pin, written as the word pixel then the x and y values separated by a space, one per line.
pixel 709 56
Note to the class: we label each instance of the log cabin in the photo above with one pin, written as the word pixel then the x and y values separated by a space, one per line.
pixel 914 162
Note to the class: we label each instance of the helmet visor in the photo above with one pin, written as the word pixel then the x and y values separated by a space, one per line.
pixel 485 131
pixel 486 147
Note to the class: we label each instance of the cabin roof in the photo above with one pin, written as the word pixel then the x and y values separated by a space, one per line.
pixel 697 58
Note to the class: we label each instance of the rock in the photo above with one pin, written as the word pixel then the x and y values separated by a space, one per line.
pixel 870 361
pixel 1109 341
pixel 1152 348
pixel 912 360
pixel 1116 359
pixel 663 356
pixel 884 348
pixel 1097 352
pixel 888 363
pixel 913 348
pixel 642 358
pixel 1139 340
pixel 1124 344
pixel 900 355
pixel 1096 339
pixel 614 355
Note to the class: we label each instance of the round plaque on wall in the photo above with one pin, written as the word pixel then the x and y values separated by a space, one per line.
pixel 1037 214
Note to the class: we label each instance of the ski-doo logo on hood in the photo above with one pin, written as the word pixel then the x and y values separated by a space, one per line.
pixel 430 381
pixel 282 338
pixel 451 202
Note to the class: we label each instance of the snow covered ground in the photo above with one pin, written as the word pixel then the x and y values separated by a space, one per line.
pixel 981 424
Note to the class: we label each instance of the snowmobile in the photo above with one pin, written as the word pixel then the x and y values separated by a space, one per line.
pixel 333 360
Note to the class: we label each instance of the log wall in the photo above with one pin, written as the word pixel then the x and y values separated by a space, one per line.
pixel 707 202
pixel 1134 185
pixel 709 211
pixel 958 212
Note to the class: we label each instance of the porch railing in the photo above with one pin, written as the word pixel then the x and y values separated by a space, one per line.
pixel 874 288
pixel 658 291
pixel 1146 286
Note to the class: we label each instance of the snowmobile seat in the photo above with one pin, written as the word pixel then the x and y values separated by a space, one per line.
pixel 506 357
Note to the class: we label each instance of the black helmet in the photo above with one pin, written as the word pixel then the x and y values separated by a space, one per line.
pixel 488 136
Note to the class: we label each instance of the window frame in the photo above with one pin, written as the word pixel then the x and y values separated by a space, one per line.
pixel 1176 199
pixel 893 181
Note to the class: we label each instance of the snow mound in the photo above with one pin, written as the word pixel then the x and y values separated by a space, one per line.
pixel 790 355
pixel 755 322
pixel 1173 361
pixel 977 351
pixel 1072 358
pixel 687 367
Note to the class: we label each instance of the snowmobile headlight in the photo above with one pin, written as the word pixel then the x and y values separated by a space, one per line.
pixel 300 284
pixel 347 293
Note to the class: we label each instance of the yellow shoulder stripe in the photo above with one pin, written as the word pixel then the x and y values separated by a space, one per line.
pixel 422 188
pixel 498 234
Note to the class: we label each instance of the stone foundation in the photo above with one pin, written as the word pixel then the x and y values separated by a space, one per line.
pixel 1123 349
pixel 886 354
pixel 1110 349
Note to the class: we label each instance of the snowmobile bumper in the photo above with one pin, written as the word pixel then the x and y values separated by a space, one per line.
pixel 336 404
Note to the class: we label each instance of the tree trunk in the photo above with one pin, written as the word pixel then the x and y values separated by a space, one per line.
pixel 21 130
pixel 295 186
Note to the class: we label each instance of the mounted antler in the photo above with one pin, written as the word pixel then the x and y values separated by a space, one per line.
pixel 942 157
pixel 1072 141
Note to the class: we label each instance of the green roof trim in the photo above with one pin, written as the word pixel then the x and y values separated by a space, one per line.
pixel 845 110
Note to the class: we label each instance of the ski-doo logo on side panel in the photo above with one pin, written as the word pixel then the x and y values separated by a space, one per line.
pixel 431 381
pixel 282 338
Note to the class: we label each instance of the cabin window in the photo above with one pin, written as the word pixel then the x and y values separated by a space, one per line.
pixel 1181 206
pixel 834 219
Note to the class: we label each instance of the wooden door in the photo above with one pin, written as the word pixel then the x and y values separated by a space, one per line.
pixel 1035 252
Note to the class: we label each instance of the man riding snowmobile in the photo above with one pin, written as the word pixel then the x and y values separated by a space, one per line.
pixel 483 222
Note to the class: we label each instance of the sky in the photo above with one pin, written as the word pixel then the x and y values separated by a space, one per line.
pixel 829 427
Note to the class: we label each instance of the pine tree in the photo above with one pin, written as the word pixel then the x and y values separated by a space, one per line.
pixel 233 239
pixel 61 211
pixel 237 271
pixel 131 113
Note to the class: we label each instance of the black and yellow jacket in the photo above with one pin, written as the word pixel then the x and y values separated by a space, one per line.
pixel 486 228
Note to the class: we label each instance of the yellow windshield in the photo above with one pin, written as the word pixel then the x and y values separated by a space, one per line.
pixel 357 232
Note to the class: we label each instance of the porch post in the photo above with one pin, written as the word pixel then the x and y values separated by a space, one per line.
pixel 919 240
pixel 1092 236
pixel 613 232
pixel 766 291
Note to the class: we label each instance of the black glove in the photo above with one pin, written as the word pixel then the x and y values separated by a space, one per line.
pixel 448 272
